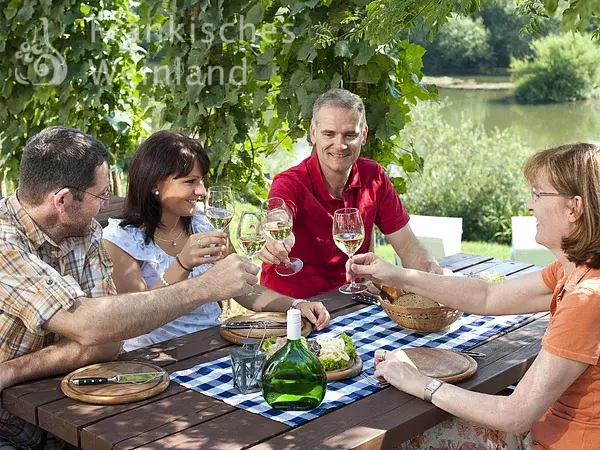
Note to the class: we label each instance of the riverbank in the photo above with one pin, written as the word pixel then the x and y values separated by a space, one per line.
pixel 483 83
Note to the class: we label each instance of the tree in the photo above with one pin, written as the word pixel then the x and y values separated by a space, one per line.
pixel 563 68
pixel 293 51
pixel 57 69
pixel 162 55
pixel 387 18
pixel 462 45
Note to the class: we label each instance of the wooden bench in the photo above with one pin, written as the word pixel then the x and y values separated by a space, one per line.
pixel 115 206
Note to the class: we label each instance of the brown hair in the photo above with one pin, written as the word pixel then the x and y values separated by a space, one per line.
pixel 59 157
pixel 163 154
pixel 574 169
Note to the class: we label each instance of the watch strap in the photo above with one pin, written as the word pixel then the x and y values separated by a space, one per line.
pixel 297 302
pixel 430 389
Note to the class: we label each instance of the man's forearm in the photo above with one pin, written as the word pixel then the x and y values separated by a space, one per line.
pixel 418 257
pixel 95 321
pixel 131 315
pixel 266 300
pixel 60 358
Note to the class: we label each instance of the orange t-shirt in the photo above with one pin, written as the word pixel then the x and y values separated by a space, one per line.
pixel 573 421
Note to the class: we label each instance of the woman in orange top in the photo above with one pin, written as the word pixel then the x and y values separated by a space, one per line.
pixel 558 399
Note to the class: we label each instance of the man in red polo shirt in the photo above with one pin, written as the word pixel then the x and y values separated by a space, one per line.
pixel 334 177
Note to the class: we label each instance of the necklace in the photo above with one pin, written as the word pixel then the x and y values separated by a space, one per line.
pixel 172 241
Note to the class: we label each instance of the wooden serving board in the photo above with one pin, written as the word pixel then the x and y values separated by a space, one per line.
pixel 236 336
pixel 444 365
pixel 352 370
pixel 113 393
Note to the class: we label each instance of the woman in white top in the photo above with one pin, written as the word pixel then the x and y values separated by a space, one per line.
pixel 163 238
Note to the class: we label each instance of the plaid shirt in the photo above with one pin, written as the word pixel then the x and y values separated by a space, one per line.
pixel 38 277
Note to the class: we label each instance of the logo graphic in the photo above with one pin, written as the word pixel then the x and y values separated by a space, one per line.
pixel 48 63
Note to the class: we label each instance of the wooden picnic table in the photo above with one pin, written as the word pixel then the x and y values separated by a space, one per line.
pixel 183 418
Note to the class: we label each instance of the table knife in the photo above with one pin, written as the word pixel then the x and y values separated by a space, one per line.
pixel 136 378
pixel 254 324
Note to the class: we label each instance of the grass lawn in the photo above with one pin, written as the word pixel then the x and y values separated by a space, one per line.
pixel 475 248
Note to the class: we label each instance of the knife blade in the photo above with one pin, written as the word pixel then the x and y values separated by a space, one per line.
pixel 254 324
pixel 136 378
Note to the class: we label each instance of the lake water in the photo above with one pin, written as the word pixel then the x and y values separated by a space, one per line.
pixel 539 126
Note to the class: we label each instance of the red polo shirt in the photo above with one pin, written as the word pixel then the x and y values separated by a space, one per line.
pixel 312 206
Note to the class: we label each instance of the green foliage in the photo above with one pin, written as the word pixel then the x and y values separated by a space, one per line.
pixel 42 42
pixel 486 39
pixel 388 19
pixel 349 346
pixel 563 68
pixel 299 50
pixel 467 173
pixel 504 26
pixel 574 15
pixel 462 45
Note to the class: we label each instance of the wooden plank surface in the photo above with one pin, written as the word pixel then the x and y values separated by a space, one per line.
pixel 363 424
pixel 67 418
pixel 181 417
pixel 154 421
pixel 25 399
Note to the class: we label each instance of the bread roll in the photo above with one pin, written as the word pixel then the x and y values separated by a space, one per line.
pixel 410 300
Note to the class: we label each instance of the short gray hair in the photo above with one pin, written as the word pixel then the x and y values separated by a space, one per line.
pixel 339 98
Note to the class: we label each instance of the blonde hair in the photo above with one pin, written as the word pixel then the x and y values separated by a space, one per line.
pixel 574 170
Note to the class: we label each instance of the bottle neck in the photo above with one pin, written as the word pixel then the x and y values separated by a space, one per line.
pixel 294 330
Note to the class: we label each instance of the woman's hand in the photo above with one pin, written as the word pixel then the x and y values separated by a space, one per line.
pixel 316 313
pixel 374 269
pixel 397 369
pixel 202 248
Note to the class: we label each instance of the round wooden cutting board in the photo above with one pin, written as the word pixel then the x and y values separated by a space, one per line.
pixel 352 370
pixel 236 336
pixel 113 393
pixel 442 364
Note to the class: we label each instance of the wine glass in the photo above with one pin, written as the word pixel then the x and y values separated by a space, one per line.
pixel 219 207
pixel 251 235
pixel 278 224
pixel 348 235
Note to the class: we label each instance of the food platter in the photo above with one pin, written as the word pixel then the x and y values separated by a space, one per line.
pixel 353 369
pixel 236 336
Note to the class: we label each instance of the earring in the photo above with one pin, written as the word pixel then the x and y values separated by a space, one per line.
pixel 156 192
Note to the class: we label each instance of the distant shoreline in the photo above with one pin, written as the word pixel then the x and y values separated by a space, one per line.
pixel 472 83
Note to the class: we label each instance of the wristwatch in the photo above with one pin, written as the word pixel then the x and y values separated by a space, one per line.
pixel 296 302
pixel 431 387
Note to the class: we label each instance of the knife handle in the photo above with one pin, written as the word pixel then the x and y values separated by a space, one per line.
pixel 89 381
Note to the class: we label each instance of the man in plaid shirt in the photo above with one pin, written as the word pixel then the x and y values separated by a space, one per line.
pixel 58 304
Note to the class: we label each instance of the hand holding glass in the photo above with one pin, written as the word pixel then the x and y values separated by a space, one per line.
pixel 349 234
pixel 219 207
pixel 251 235
pixel 278 224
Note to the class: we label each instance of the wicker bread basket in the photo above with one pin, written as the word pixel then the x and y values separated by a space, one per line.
pixel 417 313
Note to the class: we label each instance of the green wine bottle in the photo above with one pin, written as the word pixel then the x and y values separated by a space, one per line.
pixel 293 378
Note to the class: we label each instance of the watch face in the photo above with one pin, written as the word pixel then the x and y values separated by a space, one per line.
pixel 431 387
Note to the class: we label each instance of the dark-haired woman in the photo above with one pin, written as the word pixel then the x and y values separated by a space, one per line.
pixel 164 238
pixel 558 399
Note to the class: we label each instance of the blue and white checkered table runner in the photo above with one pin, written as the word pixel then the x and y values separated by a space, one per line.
pixel 371 329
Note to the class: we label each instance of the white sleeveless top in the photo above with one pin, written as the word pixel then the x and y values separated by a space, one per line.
pixel 154 262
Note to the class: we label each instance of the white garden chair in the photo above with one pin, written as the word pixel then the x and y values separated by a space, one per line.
pixel 440 235
pixel 524 247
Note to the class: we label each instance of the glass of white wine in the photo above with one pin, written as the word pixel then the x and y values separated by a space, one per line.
pixel 219 207
pixel 348 235
pixel 278 224
pixel 251 235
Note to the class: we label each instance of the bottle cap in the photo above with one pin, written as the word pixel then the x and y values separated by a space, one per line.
pixel 294 315
pixel 294 324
